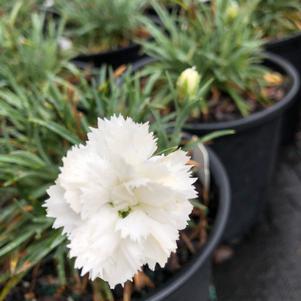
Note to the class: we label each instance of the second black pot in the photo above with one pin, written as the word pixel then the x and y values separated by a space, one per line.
pixel 193 281
pixel 290 49
pixel 250 154
pixel 114 58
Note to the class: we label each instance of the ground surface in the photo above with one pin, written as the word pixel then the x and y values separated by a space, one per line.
pixel 267 265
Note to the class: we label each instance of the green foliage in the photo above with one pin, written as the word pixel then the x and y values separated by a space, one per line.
pixel 95 25
pixel 277 18
pixel 37 129
pixel 221 45
pixel 30 54
pixel 20 10
pixel 44 111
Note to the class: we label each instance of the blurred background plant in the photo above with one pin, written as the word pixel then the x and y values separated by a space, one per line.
pixel 19 11
pixel 100 25
pixel 277 18
pixel 218 40
pixel 30 54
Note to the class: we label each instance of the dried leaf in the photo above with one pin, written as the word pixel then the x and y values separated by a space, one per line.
pixel 141 280
pixel 273 78
pixel 193 163
pixel 188 243
pixel 119 71
pixel 127 291
pixel 222 254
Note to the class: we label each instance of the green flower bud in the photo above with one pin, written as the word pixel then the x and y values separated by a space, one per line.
pixel 188 83
pixel 232 11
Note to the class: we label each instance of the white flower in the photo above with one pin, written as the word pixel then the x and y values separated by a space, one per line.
pixel 48 3
pixel 188 83
pixel 65 44
pixel 120 205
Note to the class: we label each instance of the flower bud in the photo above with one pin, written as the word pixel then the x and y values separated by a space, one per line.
pixel 232 11
pixel 188 83
pixel 48 3
pixel 65 44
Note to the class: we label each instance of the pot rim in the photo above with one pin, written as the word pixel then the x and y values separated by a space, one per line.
pixel 283 40
pixel 119 50
pixel 254 119
pixel 221 180
pixel 114 51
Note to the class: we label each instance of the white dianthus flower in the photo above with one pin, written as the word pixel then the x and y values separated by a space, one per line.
pixel 120 205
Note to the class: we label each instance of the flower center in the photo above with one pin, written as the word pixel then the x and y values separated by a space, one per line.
pixel 123 199
pixel 124 213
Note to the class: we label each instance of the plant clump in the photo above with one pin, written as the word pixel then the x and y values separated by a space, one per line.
pixel 275 19
pixel 224 49
pixel 37 131
pixel 31 54
pixel 100 25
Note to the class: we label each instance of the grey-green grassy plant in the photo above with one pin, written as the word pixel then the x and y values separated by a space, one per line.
pixel 31 54
pixel 277 18
pixel 20 11
pixel 217 40
pixel 97 25
pixel 37 129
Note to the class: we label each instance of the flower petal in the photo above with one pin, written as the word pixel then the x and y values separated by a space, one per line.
pixel 58 208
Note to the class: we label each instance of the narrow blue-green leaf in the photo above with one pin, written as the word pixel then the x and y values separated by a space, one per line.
pixel 58 129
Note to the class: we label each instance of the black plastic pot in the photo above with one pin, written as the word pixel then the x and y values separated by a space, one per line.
pixel 193 281
pixel 250 154
pixel 290 49
pixel 170 8
pixel 114 58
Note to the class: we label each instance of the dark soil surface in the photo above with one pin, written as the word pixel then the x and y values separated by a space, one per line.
pixel 222 107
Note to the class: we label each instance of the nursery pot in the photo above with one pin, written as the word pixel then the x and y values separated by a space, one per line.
pixel 170 8
pixel 193 281
pixel 250 154
pixel 290 49
pixel 114 58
